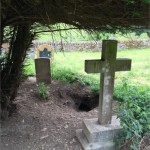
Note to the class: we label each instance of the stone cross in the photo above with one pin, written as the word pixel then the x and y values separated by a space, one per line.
pixel 107 66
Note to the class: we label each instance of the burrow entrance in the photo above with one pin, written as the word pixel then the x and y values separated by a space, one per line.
pixel 75 95
pixel 85 102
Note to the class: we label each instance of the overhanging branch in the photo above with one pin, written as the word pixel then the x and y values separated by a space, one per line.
pixel 54 30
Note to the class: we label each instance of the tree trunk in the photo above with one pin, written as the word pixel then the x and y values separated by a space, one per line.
pixel 12 71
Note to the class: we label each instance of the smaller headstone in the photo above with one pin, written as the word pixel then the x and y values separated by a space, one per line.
pixel 44 56
pixel 43 73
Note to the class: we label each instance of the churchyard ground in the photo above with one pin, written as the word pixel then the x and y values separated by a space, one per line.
pixel 51 125
pixel 131 87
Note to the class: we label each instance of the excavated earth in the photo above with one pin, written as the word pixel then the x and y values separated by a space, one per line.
pixel 40 124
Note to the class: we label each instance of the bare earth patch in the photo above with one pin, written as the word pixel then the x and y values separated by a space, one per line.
pixel 49 125
pixel 46 125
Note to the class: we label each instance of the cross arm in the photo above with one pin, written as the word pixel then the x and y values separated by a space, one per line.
pixel 98 65
pixel 123 64
pixel 94 66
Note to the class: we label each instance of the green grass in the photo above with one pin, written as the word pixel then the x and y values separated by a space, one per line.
pixel 140 72
pixel 69 66
pixel 29 68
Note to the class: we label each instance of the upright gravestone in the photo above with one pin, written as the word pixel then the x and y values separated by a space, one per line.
pixel 42 67
pixel 44 57
pixel 98 134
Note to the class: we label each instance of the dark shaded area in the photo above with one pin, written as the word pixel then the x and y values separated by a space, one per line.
pixel 84 107
pixel 86 102
pixel 86 14
pixel 76 95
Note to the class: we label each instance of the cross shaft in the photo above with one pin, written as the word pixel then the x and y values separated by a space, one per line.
pixel 107 66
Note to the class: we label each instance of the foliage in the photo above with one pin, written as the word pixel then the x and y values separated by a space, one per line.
pixel 96 35
pixel 134 97
pixel 134 113
pixel 29 67
pixel 81 35
pixel 89 15
pixel 12 71
pixel 126 90
pixel 71 76
pixel 43 91
pixel 23 16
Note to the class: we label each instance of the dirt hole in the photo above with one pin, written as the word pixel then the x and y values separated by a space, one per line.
pixel 85 103
pixel 83 107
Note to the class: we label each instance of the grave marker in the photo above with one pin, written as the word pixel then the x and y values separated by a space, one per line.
pixel 99 134
pixel 42 68
pixel 44 57
pixel 107 66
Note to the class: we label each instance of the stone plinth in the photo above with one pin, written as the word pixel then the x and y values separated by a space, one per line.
pixel 94 136
pixel 42 67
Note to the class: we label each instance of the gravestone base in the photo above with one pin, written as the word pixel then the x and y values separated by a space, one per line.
pixel 94 136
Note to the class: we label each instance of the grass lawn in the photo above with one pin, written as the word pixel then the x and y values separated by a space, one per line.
pixel 70 66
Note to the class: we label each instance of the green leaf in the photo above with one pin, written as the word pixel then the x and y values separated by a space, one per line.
pixel 138 109
pixel 129 134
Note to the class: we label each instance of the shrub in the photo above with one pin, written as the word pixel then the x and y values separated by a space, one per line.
pixel 134 113
pixel 29 67
pixel 43 92
pixel 71 76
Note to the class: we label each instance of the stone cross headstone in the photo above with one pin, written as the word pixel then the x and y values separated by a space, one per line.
pixel 107 66
pixel 100 133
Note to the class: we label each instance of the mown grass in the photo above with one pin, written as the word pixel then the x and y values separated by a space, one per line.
pixel 69 67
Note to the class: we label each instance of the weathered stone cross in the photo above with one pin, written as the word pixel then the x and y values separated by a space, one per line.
pixel 107 66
